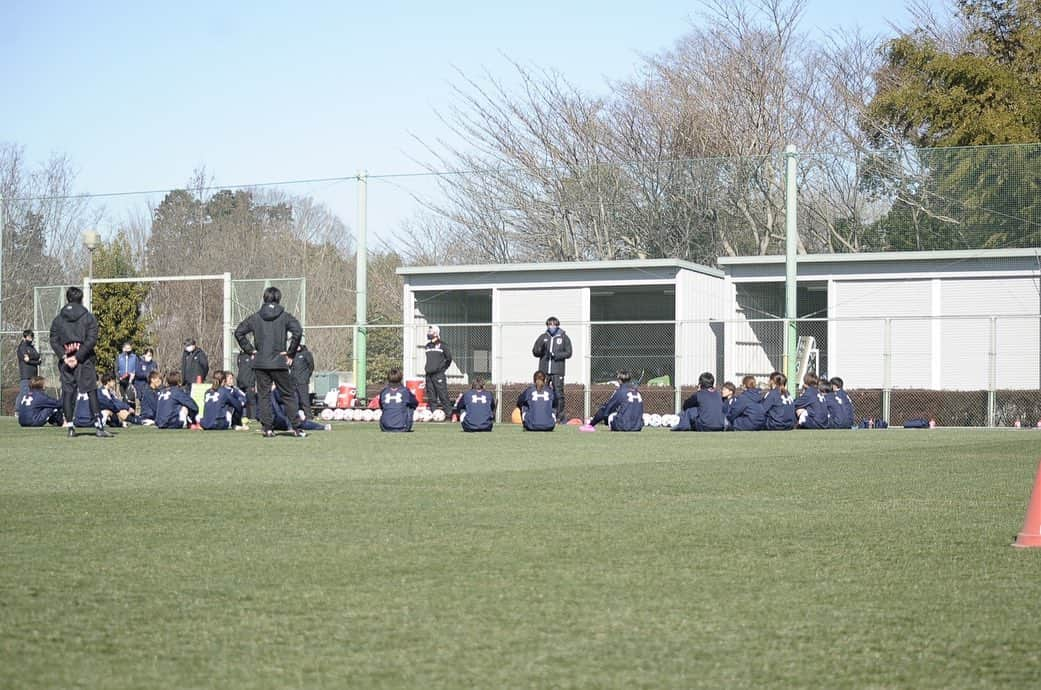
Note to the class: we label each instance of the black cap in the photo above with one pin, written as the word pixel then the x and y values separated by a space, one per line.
pixel 189 341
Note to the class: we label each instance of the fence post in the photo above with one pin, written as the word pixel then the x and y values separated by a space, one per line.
pixel 992 374
pixel 887 369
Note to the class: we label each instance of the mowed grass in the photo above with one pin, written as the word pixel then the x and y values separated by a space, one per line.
pixel 441 559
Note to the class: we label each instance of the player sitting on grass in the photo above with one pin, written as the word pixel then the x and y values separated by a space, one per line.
pixel 174 409
pixel 476 408
pixel 116 411
pixel 778 407
pixel 840 407
pixel 36 408
pixel 281 420
pixel 537 405
pixel 148 398
pixel 397 403
pixel 624 410
pixel 810 408
pixel 746 409
pixel 703 411
pixel 220 405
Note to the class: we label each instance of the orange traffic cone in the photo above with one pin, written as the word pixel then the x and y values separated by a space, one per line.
pixel 1030 535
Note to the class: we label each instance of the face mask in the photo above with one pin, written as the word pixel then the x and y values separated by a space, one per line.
pixel 148 358
pixel 190 348
pixel 431 336
pixel 553 330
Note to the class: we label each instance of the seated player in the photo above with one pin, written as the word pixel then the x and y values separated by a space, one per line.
pixel 476 408
pixel 746 409
pixel 840 407
pixel 397 403
pixel 810 408
pixel 148 398
pixel 778 407
pixel 145 366
pixel 538 405
pixel 624 410
pixel 175 409
pixel 36 408
pixel 115 411
pixel 238 417
pixel 281 418
pixel 703 411
pixel 220 405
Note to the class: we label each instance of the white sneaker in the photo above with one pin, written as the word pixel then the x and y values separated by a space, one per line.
pixel 147 422
pixel 328 427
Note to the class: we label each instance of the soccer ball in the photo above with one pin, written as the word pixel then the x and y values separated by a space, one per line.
pixel 674 420
pixel 646 419
pixel 326 415
pixel 425 415
pixel 367 416
pixel 655 420
pixel 376 414
pixel 438 416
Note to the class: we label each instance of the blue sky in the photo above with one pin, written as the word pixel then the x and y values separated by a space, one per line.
pixel 140 94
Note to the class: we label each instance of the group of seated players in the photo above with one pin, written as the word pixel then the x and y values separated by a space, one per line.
pixel 162 401
pixel 822 404
pixel 165 404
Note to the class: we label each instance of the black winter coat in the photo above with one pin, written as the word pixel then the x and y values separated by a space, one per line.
pixel 270 327
pixel 552 351
pixel 74 331
pixel 27 368
pixel 194 365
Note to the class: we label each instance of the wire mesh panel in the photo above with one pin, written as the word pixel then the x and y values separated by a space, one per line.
pixel 47 302
pixel 646 350
pixel 248 295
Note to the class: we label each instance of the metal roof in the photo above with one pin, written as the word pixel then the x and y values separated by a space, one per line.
pixel 955 254
pixel 633 264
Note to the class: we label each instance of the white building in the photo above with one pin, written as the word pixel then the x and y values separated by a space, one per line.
pixel 619 314
pixel 951 320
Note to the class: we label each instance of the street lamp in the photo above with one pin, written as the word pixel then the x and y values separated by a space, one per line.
pixel 91 240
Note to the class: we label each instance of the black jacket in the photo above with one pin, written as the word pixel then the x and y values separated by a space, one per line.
pixel 74 331
pixel 552 351
pixel 194 365
pixel 303 366
pixel 269 326
pixel 246 378
pixel 27 368
pixel 438 358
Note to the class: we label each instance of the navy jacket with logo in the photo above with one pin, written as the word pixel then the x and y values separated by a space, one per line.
pixel 779 410
pixel 627 407
pixel 36 408
pixel 397 403
pixel 812 400
pixel 840 409
pixel 149 400
pixel 476 409
pixel 168 408
pixel 746 411
pixel 216 406
pixel 538 408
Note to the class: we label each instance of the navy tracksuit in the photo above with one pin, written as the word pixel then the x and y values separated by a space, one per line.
pixel 108 401
pixel 221 408
pixel 149 401
pixel 703 411
pixel 82 417
pixel 168 408
pixel 623 411
pixel 36 408
pixel 141 376
pixel 812 400
pixel 281 419
pixel 779 410
pixel 397 403
pixel 746 411
pixel 476 410
pixel 840 410
pixel 538 408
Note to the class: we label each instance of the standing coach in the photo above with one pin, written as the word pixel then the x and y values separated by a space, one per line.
pixel 553 348
pixel 270 327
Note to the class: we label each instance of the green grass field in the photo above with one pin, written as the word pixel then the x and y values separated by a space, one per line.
pixel 440 559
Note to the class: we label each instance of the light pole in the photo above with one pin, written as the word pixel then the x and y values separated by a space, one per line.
pixel 91 240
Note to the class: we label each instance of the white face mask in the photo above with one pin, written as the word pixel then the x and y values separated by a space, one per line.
pixel 190 348
pixel 148 358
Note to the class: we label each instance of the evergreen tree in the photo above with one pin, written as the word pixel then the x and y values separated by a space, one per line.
pixel 117 306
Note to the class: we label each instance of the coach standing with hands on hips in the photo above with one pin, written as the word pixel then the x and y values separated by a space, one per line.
pixel 270 327
pixel 553 348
